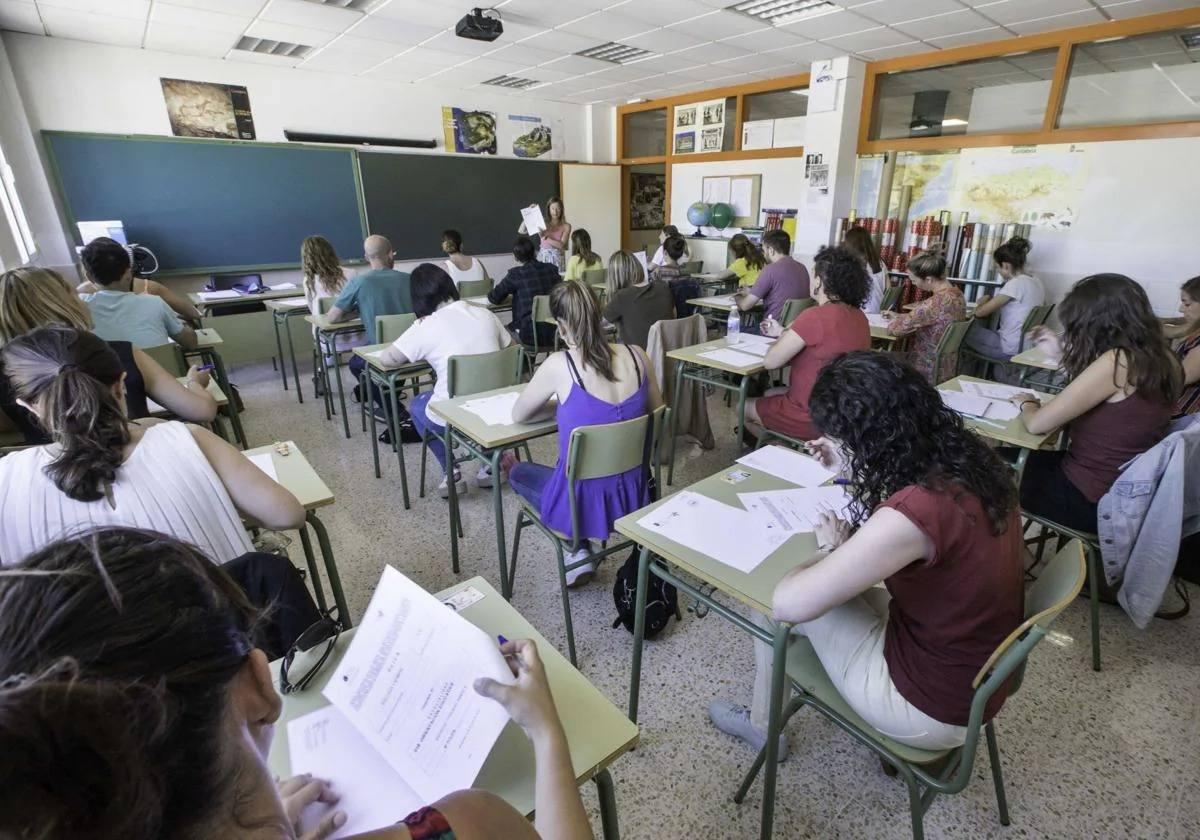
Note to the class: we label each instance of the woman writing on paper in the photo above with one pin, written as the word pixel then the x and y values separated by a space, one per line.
pixel 858 242
pixel 928 320
pixel 140 706
pixel 933 517
pixel 748 261
pixel 1020 293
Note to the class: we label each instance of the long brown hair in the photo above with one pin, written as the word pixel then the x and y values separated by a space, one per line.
pixel 581 244
pixel 562 219
pixel 744 249
pixel 319 261
pixel 624 270
pixel 1111 312
pixel 858 242
pixel 574 306
pixel 69 376
pixel 117 650
pixel 35 297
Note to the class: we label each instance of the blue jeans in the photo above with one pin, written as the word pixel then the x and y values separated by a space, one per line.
pixel 424 425
pixel 529 480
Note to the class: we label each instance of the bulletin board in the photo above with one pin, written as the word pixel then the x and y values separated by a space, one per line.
pixel 741 192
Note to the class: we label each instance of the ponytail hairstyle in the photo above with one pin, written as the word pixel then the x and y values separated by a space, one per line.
pixel 624 270
pixel 319 261
pixel 574 306
pixel 68 375
pixel 1013 252
pixel 117 650
pixel 581 244
pixel 928 264
pixel 36 297
pixel 860 243
pixel 744 249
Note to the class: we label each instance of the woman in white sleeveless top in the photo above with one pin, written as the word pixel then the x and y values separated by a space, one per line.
pixel 460 267
pixel 103 469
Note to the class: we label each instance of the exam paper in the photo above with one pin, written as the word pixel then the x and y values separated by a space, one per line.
pixel 406 683
pixel 787 464
pixel 373 795
pixel 796 511
pixel 996 391
pixel 877 320
pixel 719 300
pixel 729 356
pixel 727 534
pixel 292 303
pixel 534 221
pixel 264 462
pixel 279 287
pixel 495 410
pixel 756 344
pixel 979 406
pixel 224 295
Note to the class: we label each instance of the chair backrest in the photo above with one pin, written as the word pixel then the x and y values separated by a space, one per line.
pixel 390 327
pixel 793 307
pixel 483 371
pixel 324 304
pixel 1037 316
pixel 170 356
pixel 594 275
pixel 891 295
pixel 692 267
pixel 541 310
pixel 474 288
pixel 948 346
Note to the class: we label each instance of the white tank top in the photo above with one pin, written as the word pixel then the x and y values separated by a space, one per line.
pixel 166 485
pixel 472 274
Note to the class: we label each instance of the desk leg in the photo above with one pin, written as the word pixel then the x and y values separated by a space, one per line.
pixel 337 374
pixel 741 415
pixel 639 632
pixel 322 371
pixel 608 805
pixel 774 720
pixel 394 396
pixel 287 329
pixel 279 347
pixel 235 419
pixel 331 569
pixel 364 387
pixel 675 419
pixel 498 511
pixel 314 574
pixel 452 498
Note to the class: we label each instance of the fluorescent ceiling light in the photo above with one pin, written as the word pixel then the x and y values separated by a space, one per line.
pixel 779 12
pixel 615 53
pixel 953 121
pixel 637 100
pixel 511 82
pixel 800 92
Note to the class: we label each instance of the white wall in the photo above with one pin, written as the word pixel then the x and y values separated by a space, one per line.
pixel 783 184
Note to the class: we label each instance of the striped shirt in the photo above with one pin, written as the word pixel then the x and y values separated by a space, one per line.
pixel 1189 400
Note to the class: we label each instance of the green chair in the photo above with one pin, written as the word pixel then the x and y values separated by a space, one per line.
pixel 1055 588
pixel 474 288
pixel 891 296
pixel 170 357
pixel 593 452
pixel 1091 546
pixel 948 348
pixel 541 315
pixel 1037 316
pixel 693 267
pixel 793 307
pixel 390 327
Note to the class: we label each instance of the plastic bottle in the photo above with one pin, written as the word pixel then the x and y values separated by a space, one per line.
pixel 734 325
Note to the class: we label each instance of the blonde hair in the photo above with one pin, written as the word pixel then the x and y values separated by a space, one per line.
pixel 38 297
pixel 574 306
pixel 624 271
pixel 319 261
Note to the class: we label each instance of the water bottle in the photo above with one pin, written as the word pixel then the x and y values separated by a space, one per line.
pixel 734 328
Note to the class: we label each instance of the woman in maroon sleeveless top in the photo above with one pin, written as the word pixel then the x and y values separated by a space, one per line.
pixel 1124 381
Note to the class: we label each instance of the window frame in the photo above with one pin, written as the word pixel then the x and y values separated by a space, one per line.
pixel 18 229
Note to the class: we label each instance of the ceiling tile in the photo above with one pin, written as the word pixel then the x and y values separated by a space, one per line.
pixel 547 12
pixel 893 11
pixel 375 51
pixel 708 53
pixel 287 32
pixel 341 61
pixel 489 65
pixel 125 9
pixel 702 73
pixel 523 54
pixel 1014 11
pixel 262 58
pixel 464 47
pixel 393 31
pixel 910 48
pixel 401 70
pixel 103 29
pixel 750 63
pixel 870 40
pixel 244 8
pixel 720 24
pixel 607 25
pixel 436 58
pixel 664 63
pixel 664 41
pixel 979 36
pixel 1046 24
pixel 809 52
pixel 20 17
pixel 577 65
pixel 313 15
pixel 515 30
pixel 764 39
pixel 662 12
pixel 938 26
pixel 830 25
pixel 198 19
pixel 545 72
pixel 1135 8
pixel 188 40
pixel 421 12
pixel 559 41
pixel 620 73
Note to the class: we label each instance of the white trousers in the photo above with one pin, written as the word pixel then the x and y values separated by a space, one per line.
pixel 849 642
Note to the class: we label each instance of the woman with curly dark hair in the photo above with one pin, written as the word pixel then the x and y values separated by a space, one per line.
pixel 934 519
pixel 1124 381
pixel 819 333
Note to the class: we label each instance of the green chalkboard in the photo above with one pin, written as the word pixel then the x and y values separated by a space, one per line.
pixel 211 205
pixel 411 199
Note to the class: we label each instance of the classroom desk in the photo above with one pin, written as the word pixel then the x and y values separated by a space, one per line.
pixel 1009 433
pixel 296 474
pixel 218 426
pixel 1039 370
pixel 486 443
pixel 207 342
pixel 754 590
pixel 689 364
pixel 389 380
pixel 717 303
pixel 206 306
pixel 482 300
pixel 327 333
pixel 597 732
pixel 282 311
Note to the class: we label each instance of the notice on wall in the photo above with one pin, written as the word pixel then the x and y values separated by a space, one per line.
pixel 208 109
pixel 469 132
pixel 822 90
pixel 758 134
pixel 700 127
pixel 531 136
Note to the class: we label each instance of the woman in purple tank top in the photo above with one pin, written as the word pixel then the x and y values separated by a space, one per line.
pixel 594 382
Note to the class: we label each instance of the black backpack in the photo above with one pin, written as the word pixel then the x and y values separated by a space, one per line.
pixel 662 600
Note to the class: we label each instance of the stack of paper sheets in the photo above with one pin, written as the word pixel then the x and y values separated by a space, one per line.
pixel 756 344
pixel 996 391
pixel 787 464
pixel 982 407
pixel 729 356
pixel 223 295
pixel 877 320
pixel 495 410
pixel 727 534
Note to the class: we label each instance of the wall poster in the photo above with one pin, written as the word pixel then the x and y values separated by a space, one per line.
pixel 208 109
pixel 469 132
pixel 700 127
pixel 531 136
pixel 647 200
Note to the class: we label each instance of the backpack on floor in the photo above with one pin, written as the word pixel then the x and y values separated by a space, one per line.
pixel 662 600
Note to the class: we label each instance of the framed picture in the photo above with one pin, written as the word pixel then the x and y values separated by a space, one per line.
pixel 710 139
pixel 647 200
pixel 685 117
pixel 685 142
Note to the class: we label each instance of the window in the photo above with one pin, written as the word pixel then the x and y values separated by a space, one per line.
pixel 645 134
pixel 14 214
pixel 987 96
pixel 1134 80
pixel 776 104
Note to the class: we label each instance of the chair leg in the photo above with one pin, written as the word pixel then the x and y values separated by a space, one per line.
pixel 1094 574
pixel 424 454
pixel 566 599
pixel 915 805
pixel 997 772
pixel 750 776
pixel 512 560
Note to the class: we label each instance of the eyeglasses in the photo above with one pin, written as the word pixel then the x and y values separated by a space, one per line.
pixel 325 631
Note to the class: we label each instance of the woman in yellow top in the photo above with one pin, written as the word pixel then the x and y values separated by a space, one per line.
pixel 748 261
pixel 583 258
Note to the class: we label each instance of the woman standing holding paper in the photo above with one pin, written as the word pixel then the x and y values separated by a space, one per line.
pixel 554 237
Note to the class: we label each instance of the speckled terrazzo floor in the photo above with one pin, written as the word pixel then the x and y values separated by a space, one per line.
pixel 1114 754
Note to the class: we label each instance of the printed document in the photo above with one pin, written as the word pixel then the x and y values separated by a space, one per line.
pixel 787 464
pixel 797 511
pixel 406 683
pixel 756 344
pixel 729 356
pixel 979 406
pixel 877 320
pixel 495 410
pixel 727 534
pixel 534 221
pixel 224 295
pixel 996 391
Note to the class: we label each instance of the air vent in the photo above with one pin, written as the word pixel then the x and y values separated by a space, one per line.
pixel 1191 40
pixel 779 12
pixel 512 82
pixel 615 53
pixel 268 47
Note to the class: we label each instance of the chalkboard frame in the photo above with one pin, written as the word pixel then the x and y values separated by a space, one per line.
pixel 72 221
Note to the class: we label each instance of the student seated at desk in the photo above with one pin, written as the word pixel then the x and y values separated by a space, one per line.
pixel 635 302
pixel 934 519
pixel 660 255
pixel 747 263
pixel 523 282
pixel 39 297
pixel 119 313
pixel 583 258
pixel 460 267
pixel 140 706
pixel 929 318
pixel 322 270
pixel 179 304
pixel 104 469
pixel 594 382
pixel 1187 348
pixel 860 243
pixel 1124 381
pixel 445 327
pixel 1020 293
pixel 782 280
pixel 669 272
pixel 820 333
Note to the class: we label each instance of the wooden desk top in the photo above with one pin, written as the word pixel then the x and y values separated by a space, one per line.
pixel 487 436
pixel 373 361
pixel 691 355
pixel 287 304
pixel 721 303
pixel 1011 432
pixel 297 475
pixel 207 338
pixel 213 388
pixel 270 294
pixel 1035 357
pixel 323 324
pixel 597 731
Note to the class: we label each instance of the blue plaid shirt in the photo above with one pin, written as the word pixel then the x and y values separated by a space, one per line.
pixel 524 283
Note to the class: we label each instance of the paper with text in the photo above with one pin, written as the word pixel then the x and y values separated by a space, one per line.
pixel 406 683
pixel 796 511
pixel 877 320
pixel 727 534
pixel 996 391
pixel 787 464
pixel 534 221
pixel 756 344
pixel 265 462
pixel 729 356
pixel 979 406
pixel 495 410
pixel 373 795
pixel 224 295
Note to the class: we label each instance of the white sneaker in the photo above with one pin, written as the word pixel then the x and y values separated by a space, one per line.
pixel 484 477
pixel 734 719
pixel 581 575
pixel 460 486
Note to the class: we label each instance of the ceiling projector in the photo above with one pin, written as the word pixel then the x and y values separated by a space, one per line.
pixel 480 25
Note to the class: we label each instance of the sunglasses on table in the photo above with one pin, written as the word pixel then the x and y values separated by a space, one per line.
pixel 324 632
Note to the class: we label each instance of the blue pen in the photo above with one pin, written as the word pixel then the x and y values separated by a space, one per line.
pixel 503 640
pixel 844 482
pixel 206 367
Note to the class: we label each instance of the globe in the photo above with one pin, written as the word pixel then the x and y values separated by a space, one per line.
pixel 699 214
pixel 721 216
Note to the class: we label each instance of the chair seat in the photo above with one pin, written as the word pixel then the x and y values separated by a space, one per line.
pixel 805 670
pixel 536 515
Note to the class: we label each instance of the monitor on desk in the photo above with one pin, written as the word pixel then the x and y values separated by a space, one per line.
pixel 114 230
